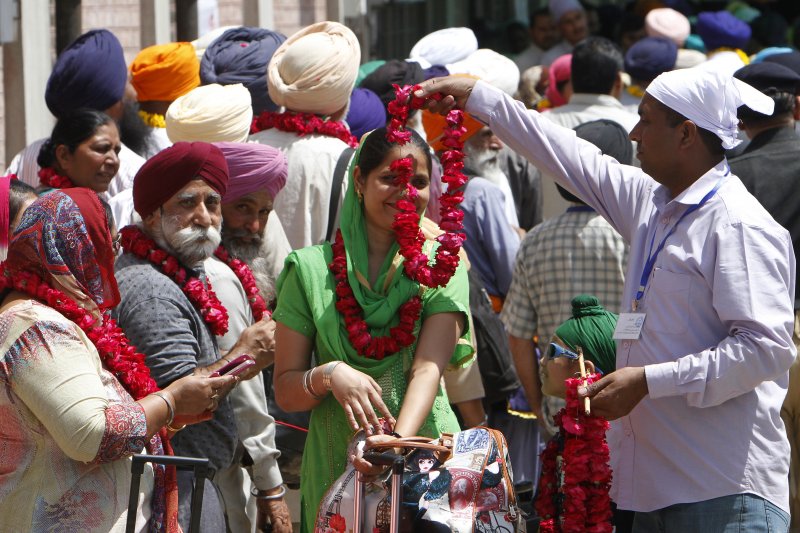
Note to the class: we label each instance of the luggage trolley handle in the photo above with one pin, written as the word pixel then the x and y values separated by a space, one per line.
pixel 201 470
pixel 397 462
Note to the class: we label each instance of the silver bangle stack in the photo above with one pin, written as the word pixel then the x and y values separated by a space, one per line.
pixel 308 387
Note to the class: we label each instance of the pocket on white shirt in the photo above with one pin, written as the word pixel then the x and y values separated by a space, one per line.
pixel 668 302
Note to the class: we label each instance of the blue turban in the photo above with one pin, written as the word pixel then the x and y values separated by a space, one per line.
pixel 241 55
pixel 366 112
pixel 436 71
pixel 720 29
pixel 649 57
pixel 90 72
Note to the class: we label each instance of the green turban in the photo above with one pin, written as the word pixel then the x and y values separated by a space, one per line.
pixel 592 328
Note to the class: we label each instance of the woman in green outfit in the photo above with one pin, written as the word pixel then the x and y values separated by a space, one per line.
pixel 347 390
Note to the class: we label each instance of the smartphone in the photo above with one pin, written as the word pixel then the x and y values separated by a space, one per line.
pixel 241 364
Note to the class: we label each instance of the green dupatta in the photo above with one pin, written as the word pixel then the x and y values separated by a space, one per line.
pixel 306 303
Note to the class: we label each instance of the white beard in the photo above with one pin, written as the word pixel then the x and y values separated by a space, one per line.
pixel 486 165
pixel 191 245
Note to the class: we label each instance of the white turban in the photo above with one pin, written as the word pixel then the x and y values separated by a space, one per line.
pixel 315 70
pixel 559 8
pixel 668 23
pixel 211 113
pixel 688 58
pixel 709 99
pixel 491 67
pixel 444 46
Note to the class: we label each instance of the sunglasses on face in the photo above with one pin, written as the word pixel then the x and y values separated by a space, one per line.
pixel 558 351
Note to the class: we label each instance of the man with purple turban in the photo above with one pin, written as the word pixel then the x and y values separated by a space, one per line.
pixel 168 308
pixel 90 73
pixel 257 174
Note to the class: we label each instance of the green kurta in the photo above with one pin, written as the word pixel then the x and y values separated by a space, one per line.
pixel 306 304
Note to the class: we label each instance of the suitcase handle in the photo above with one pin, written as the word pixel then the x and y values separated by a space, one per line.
pixel 413 442
pixel 397 462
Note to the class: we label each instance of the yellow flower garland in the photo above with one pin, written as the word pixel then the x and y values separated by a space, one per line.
pixel 154 120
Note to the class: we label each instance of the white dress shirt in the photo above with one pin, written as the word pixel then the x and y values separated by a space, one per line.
pixel 716 343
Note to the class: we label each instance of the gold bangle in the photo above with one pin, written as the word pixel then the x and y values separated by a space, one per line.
pixel 175 430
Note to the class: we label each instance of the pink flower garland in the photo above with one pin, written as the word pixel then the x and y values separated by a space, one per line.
pixel 406 222
pixel 204 300
pixel 245 276
pixel 303 124
pixel 581 503
pixel 399 337
pixel 50 178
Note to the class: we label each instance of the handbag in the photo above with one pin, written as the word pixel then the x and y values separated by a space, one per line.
pixel 458 483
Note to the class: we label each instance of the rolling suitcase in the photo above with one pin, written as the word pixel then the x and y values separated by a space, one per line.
pixel 200 467
pixel 397 464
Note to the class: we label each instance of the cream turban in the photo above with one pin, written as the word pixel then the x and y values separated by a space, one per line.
pixel 668 23
pixel 443 47
pixel 315 70
pixel 204 41
pixel 211 113
pixel 709 99
pixel 490 67
pixel 689 58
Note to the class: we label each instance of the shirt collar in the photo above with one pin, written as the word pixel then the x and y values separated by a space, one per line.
pixel 694 192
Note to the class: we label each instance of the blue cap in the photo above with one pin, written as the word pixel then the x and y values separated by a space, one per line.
pixel 722 29
pixel 649 57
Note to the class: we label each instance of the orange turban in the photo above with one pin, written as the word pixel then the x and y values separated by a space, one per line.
pixel 165 72
pixel 435 124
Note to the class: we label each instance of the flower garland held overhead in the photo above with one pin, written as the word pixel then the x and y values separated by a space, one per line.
pixel 399 337
pixel 303 124
pixel 204 300
pixel 248 281
pixel 406 222
pixel 154 120
pixel 48 177
pixel 573 492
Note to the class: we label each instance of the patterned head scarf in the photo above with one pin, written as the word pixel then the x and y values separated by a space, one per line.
pixel 164 72
pixel 63 237
pixel 592 328
pixel 242 55
pixel 90 72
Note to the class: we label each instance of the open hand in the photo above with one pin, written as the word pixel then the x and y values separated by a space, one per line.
pixel 616 394
pixel 357 393
pixel 364 466
pixel 454 89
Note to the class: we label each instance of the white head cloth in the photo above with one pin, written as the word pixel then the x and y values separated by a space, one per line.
pixel 709 99
pixel 559 8
pixel 204 41
pixel 315 70
pixel 211 113
pixel 443 47
pixel 668 23
pixel 491 67
pixel 688 58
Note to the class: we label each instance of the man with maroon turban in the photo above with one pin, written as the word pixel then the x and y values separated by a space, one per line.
pixel 168 308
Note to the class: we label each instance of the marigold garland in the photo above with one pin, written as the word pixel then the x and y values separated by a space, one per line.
pixel 204 300
pixel 399 337
pixel 154 120
pixel 573 492
pixel 406 223
pixel 48 177
pixel 248 281
pixel 303 124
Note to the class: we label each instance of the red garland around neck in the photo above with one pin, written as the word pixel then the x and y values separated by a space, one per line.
pixel 116 352
pixel 248 281
pixel 303 124
pixel 50 178
pixel 580 502
pixel 406 222
pixel 204 300
pixel 399 337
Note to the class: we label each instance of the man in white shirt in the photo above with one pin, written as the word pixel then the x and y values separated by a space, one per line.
pixel 705 342
pixel 573 25
pixel 543 34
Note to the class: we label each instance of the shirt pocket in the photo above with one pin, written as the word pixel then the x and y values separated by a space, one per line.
pixel 668 302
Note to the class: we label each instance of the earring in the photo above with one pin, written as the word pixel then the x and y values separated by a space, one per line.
pixel 360 195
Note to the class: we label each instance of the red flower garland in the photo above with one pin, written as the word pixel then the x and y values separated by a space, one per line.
pixel 406 222
pixel 204 300
pixel 245 275
pixel 303 124
pixel 399 337
pixel 581 503
pixel 48 177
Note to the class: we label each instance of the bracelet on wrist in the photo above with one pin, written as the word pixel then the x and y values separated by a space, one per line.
pixel 308 387
pixel 328 373
pixel 170 407
pixel 256 493
pixel 175 430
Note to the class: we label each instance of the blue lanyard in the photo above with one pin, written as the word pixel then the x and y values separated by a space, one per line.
pixel 651 261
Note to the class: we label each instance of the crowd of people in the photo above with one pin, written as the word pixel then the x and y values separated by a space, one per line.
pixel 627 178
